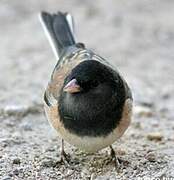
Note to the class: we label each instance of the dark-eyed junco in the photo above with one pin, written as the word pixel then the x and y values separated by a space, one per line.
pixel 87 101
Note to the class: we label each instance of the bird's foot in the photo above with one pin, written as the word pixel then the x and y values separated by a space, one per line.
pixel 65 158
pixel 115 159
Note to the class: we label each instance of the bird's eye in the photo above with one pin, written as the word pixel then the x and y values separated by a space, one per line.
pixel 94 83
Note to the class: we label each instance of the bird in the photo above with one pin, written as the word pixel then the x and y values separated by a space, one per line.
pixel 87 101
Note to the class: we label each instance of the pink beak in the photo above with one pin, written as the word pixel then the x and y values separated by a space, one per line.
pixel 72 87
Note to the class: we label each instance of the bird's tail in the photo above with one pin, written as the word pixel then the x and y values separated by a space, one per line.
pixel 59 29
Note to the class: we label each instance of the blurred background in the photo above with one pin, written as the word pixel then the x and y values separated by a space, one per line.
pixel 137 37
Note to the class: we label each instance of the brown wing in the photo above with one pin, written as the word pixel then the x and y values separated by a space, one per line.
pixel 61 70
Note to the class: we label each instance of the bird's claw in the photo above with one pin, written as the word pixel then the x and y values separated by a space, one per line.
pixel 115 159
pixel 65 158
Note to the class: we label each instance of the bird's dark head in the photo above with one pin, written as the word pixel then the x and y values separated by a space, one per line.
pixel 89 77
pixel 92 97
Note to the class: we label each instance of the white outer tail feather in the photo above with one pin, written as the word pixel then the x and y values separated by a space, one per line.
pixel 70 21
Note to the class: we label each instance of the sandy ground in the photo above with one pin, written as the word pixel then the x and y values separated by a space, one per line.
pixel 138 38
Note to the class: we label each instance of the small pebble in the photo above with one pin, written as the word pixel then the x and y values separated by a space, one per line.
pixel 120 152
pixel 155 136
pixel 1 161
pixel 135 167
pixel 50 149
pixel 27 127
pixel 143 111
pixel 137 125
pixel 151 156
pixel 16 172
pixel 147 104
pixel 48 163
pixel 6 178
pixel 16 161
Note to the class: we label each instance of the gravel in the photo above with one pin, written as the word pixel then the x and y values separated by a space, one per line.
pixel 138 38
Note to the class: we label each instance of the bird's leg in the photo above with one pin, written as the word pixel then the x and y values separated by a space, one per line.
pixel 114 158
pixel 64 156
